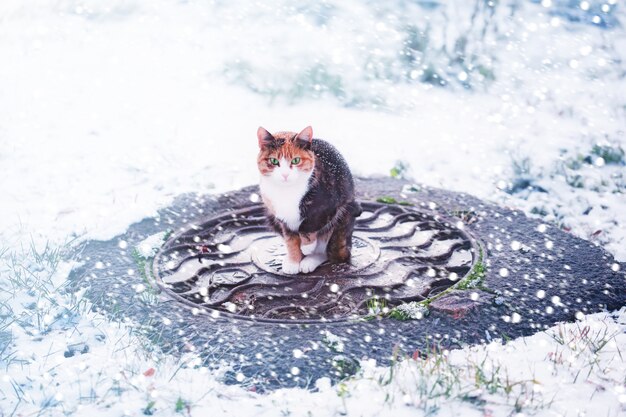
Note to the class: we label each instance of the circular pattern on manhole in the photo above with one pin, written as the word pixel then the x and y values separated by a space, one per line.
pixel 231 264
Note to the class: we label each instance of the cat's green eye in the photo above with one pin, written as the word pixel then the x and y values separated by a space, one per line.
pixel 274 161
pixel 295 161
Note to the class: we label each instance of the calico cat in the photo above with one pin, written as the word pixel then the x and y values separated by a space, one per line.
pixel 308 192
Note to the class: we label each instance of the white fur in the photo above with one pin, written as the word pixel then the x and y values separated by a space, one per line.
pixel 309 263
pixel 290 267
pixel 285 194
pixel 308 248
pixel 316 256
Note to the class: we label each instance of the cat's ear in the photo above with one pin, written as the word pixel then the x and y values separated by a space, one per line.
pixel 306 134
pixel 265 137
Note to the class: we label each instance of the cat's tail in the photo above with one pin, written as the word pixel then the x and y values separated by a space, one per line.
pixel 354 208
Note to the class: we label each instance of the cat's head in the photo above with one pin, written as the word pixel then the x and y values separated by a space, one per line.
pixel 286 157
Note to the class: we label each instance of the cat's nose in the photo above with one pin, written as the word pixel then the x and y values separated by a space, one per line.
pixel 285 175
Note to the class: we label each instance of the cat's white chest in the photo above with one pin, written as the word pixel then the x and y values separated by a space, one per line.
pixel 285 201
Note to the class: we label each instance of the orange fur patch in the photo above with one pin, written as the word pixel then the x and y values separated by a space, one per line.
pixel 292 242
pixel 289 150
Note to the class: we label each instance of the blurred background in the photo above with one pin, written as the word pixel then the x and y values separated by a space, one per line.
pixel 111 108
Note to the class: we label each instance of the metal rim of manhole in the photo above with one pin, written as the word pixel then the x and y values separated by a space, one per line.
pixel 230 265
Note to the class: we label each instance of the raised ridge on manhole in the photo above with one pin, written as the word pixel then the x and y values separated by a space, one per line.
pixel 231 263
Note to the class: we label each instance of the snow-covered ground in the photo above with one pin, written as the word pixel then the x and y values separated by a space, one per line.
pixel 111 108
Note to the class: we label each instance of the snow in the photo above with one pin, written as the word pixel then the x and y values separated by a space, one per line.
pixel 413 310
pixel 82 364
pixel 148 247
pixel 111 109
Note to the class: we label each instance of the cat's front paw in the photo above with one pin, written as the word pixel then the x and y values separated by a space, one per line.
pixel 290 267
pixel 311 262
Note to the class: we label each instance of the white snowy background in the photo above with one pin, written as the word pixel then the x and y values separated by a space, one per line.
pixel 109 109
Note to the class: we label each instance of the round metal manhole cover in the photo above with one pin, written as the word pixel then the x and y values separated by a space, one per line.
pixel 268 251
pixel 231 264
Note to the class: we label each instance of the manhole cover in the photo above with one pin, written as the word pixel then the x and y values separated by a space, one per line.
pixel 533 276
pixel 231 263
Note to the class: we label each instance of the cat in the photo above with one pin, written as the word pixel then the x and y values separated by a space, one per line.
pixel 308 192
